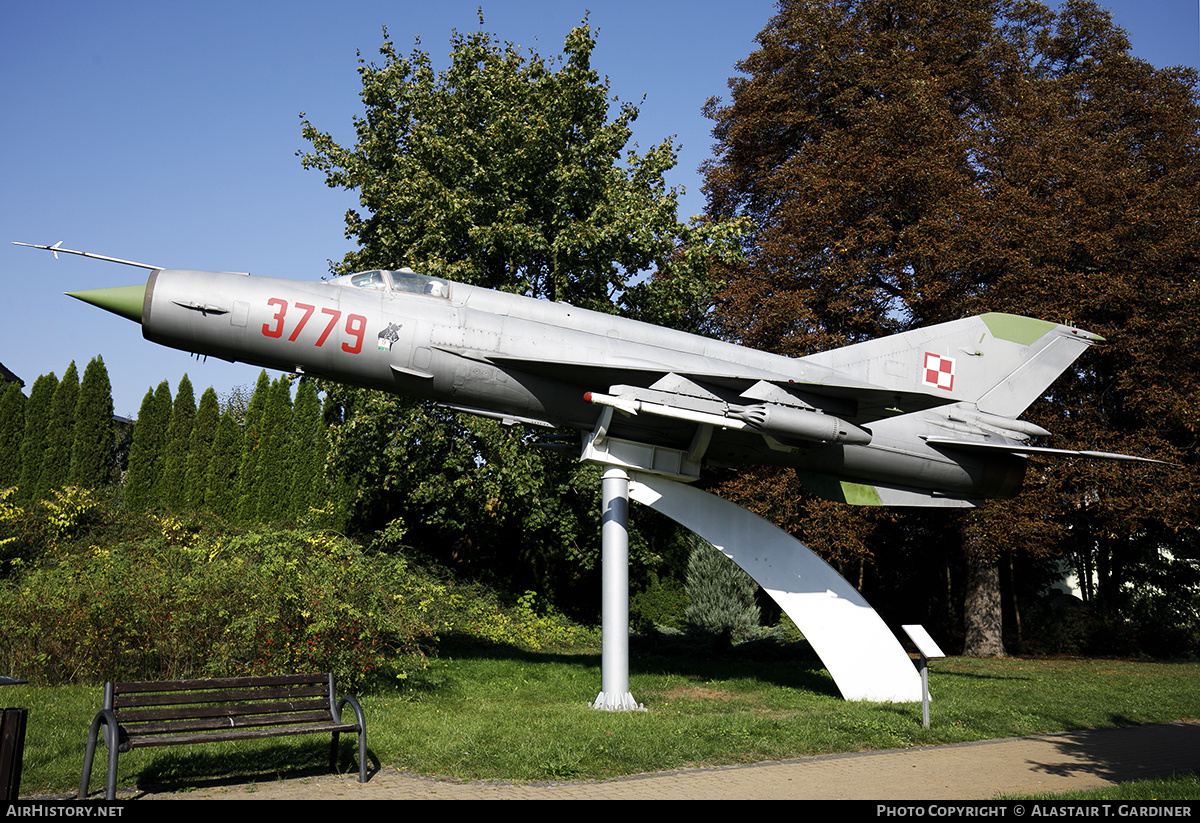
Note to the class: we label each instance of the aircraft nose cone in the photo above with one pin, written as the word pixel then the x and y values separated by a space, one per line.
pixel 123 300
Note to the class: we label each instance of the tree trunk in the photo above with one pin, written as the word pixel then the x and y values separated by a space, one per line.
pixel 1016 607
pixel 982 611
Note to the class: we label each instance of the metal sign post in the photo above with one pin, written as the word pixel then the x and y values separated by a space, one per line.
pixel 927 648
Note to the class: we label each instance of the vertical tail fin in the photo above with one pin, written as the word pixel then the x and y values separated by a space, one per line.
pixel 999 362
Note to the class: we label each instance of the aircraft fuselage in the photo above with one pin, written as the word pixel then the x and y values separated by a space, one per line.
pixel 522 359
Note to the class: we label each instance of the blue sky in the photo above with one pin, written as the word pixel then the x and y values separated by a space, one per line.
pixel 167 132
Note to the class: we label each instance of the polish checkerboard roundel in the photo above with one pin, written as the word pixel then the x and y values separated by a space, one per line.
pixel 939 371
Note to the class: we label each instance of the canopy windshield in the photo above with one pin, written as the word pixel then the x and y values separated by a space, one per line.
pixel 402 280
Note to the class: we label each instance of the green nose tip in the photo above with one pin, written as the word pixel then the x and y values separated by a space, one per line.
pixel 123 300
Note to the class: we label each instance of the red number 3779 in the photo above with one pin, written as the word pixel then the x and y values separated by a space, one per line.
pixel 356 324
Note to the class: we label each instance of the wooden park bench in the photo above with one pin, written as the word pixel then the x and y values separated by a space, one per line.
pixel 182 712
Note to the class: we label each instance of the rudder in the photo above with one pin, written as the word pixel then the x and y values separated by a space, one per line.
pixel 999 362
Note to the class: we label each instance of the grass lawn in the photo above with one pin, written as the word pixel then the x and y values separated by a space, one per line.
pixel 1179 787
pixel 502 713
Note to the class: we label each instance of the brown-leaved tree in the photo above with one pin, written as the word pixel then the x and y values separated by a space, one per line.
pixel 907 162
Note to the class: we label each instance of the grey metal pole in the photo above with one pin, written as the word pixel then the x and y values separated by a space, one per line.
pixel 614 630
pixel 924 691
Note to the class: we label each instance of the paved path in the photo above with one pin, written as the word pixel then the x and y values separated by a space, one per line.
pixel 967 771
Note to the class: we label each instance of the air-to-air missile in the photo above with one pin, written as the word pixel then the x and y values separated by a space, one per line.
pixel 928 417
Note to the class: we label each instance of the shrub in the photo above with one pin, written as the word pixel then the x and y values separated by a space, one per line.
pixel 663 602
pixel 8 514
pixel 191 601
pixel 721 596
pixel 471 613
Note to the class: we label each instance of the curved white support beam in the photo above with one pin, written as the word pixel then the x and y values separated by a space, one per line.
pixel 856 646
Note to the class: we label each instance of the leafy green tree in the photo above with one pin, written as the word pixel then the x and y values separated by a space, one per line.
pixel 147 454
pixel 222 480
pixel 905 163
pixel 33 443
pixel 56 459
pixel 236 401
pixel 93 450
pixel 201 444
pixel 309 448
pixel 173 485
pixel 476 495
pixel 252 429
pixel 275 456
pixel 504 170
pixel 12 429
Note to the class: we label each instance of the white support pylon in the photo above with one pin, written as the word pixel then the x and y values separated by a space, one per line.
pixel 614 631
pixel 863 657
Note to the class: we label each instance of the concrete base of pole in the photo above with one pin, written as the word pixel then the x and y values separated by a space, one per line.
pixel 616 703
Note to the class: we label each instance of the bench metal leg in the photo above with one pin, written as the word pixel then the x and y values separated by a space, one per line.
pixel 360 718
pixel 104 723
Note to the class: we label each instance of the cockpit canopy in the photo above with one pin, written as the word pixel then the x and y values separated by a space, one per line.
pixel 400 280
